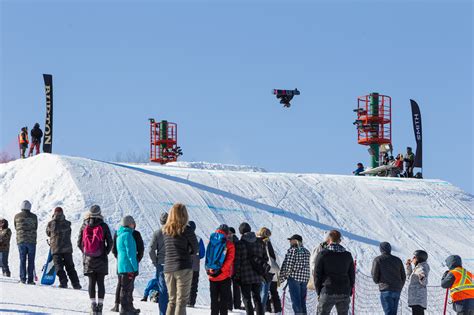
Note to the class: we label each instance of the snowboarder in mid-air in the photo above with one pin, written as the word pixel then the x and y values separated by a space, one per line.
pixel 285 96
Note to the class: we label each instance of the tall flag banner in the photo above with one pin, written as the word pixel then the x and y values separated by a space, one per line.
pixel 416 114
pixel 48 126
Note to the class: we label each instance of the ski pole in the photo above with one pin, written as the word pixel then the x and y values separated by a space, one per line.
pixel 283 300
pixel 445 301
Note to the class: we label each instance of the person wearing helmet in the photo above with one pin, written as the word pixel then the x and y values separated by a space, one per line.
pixel 417 281
pixel 36 135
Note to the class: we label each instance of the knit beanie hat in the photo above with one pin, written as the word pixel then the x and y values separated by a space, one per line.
pixel 127 220
pixel 224 228
pixel 163 218
pixel 192 224
pixel 94 212
pixel 244 228
pixel 232 230
pixel 26 205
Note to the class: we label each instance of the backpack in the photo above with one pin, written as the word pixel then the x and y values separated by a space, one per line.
pixel 215 254
pixel 93 241
pixel 258 265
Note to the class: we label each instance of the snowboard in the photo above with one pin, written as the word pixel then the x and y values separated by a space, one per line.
pixel 378 169
pixel 49 272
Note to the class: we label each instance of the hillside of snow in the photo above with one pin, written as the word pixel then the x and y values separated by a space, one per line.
pixel 411 214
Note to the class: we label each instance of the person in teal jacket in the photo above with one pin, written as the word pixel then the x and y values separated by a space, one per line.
pixel 127 264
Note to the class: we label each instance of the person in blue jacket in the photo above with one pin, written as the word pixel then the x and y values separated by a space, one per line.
pixel 359 170
pixel 196 259
pixel 127 264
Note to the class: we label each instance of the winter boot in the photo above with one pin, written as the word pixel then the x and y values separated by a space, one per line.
pixel 77 286
pixel 145 298
pixel 135 310
pixel 99 309
pixel 93 308
pixel 63 285
pixel 116 308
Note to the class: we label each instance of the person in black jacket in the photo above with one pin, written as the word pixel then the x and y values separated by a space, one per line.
pixel 250 249
pixel 95 261
pixel 59 233
pixel 389 273
pixel 140 250
pixel 36 135
pixel 334 276
pixel 236 301
pixel 180 243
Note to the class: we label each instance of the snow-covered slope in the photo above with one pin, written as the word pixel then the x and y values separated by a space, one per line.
pixel 411 214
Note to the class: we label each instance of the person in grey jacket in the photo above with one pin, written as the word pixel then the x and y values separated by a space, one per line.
pixel 417 282
pixel 196 259
pixel 388 272
pixel 463 302
pixel 26 226
pixel 157 256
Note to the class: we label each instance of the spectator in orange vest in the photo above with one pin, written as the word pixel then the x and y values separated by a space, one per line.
pixel 460 284
pixel 23 141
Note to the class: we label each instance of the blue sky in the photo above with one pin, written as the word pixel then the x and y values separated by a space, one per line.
pixel 210 66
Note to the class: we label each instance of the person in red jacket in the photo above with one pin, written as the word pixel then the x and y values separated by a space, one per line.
pixel 220 256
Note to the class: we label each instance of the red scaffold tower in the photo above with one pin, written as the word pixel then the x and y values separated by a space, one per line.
pixel 164 142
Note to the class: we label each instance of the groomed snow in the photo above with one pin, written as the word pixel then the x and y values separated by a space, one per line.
pixel 411 214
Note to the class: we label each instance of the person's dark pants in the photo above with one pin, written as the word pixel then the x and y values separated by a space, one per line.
pixel 274 302
pixel 464 307
pixel 220 296
pixel 163 297
pixel 4 260
pixel 127 281
pixel 62 261
pixel 235 302
pixel 249 292
pixel 34 145
pixel 96 279
pixel 117 290
pixel 194 288
pixel 417 310
pixel 23 149
pixel 327 302
pixel 389 300
pixel 298 292
pixel 264 293
pixel 27 252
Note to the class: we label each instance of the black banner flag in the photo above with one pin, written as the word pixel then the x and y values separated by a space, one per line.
pixel 48 126
pixel 415 111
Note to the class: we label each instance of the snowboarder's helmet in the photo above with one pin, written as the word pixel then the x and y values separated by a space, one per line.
pixel 37 125
pixel 409 149
pixel 421 255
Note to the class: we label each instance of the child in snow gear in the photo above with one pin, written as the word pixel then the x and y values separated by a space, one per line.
pixel 359 170
pixel 5 236
pixel 388 272
pixel 270 285
pixel 409 162
pixel 196 259
pixel 59 232
pixel 460 283
pixel 127 264
pixel 36 135
pixel 26 226
pixel 157 256
pixel 140 251
pixel 295 269
pixel 94 238
pixel 23 141
pixel 334 276
pixel 251 264
pixel 417 282
pixel 180 242
pixel 220 254
pixel 235 302
pixel 151 286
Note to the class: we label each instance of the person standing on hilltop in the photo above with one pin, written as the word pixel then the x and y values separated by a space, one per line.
pixel 36 135
pixel 59 233
pixel 95 243
pixel 26 226
pixel 5 236
pixel 23 141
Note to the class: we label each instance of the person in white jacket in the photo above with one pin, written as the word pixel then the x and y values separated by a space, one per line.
pixel 417 282
pixel 312 260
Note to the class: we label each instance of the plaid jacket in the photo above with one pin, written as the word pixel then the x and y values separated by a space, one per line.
pixel 296 264
pixel 243 269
